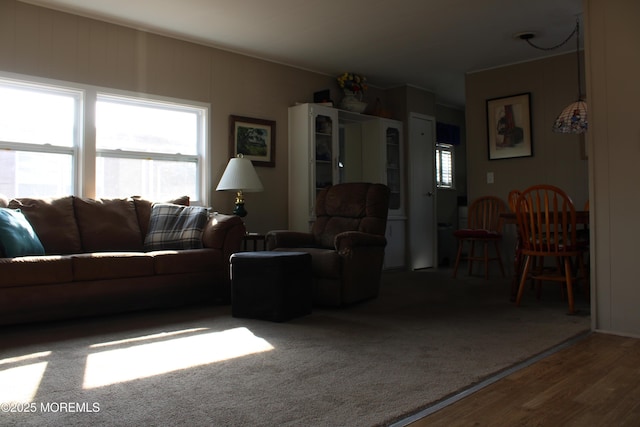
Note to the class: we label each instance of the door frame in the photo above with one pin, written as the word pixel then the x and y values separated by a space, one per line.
pixel 412 192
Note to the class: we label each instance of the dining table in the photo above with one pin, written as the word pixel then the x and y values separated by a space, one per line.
pixel 582 218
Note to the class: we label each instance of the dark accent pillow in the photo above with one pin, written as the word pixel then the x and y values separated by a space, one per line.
pixel 108 225
pixel 175 227
pixel 17 237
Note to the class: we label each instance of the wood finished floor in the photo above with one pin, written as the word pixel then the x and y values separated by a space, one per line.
pixel 595 382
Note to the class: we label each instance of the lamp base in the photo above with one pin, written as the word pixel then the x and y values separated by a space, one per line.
pixel 239 210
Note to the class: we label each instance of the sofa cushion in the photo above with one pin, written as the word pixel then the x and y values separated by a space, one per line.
pixel 17 237
pixel 108 225
pixel 111 265
pixel 175 227
pixel 35 270
pixel 143 210
pixel 188 261
pixel 48 216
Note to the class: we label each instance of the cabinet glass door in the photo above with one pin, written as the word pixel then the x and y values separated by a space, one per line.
pixel 323 151
pixel 349 151
pixel 393 167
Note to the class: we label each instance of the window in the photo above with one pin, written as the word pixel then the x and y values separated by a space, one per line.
pixel 39 136
pixel 445 172
pixel 147 147
pixel 143 146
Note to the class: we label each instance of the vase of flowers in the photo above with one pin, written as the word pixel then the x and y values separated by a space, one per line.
pixel 353 87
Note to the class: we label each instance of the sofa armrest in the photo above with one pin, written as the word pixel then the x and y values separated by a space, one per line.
pixel 288 239
pixel 349 240
pixel 224 232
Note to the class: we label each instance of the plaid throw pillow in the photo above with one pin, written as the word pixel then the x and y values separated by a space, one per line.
pixel 175 227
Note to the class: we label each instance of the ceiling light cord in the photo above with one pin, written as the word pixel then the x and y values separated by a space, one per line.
pixel 576 32
pixel 562 43
pixel 578 60
pixel 573 118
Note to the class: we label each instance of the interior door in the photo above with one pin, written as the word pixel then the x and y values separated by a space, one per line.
pixel 422 195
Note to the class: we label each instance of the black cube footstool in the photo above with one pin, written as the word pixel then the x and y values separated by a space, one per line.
pixel 270 285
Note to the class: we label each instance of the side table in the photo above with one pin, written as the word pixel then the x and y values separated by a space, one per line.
pixel 255 238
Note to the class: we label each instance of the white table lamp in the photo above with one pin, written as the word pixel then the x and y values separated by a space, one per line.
pixel 240 176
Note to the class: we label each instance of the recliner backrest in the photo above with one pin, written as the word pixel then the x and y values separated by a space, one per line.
pixel 350 207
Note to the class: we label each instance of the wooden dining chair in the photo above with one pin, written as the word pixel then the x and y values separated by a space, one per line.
pixel 484 226
pixel 547 226
pixel 512 199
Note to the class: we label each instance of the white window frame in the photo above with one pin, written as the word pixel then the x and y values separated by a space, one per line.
pixel 440 148
pixel 84 146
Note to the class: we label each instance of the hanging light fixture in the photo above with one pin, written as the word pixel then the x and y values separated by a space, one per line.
pixel 573 119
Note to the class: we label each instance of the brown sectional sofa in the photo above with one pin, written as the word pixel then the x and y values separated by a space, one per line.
pixel 95 262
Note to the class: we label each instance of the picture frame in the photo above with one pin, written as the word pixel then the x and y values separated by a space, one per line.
pixel 509 127
pixel 255 139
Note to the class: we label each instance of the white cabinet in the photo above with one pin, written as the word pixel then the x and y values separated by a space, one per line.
pixel 394 252
pixel 329 146
pixel 383 159
pixel 325 148
pixel 313 145
pixel 383 162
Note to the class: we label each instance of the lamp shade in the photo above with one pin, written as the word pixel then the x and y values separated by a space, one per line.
pixel 240 175
pixel 573 119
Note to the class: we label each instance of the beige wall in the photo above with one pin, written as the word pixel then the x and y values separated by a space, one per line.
pixel 556 158
pixel 613 71
pixel 46 43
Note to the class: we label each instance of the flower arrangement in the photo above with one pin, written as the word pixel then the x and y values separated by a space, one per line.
pixel 352 82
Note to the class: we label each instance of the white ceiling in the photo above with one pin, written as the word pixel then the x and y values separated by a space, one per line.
pixel 429 44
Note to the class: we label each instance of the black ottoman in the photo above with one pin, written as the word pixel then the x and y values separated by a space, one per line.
pixel 270 285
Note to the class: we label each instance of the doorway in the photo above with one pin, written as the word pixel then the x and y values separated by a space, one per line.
pixel 422 194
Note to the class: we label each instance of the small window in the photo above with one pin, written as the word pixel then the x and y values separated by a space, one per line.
pixel 445 172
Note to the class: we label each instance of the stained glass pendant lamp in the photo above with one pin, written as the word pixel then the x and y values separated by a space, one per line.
pixel 573 119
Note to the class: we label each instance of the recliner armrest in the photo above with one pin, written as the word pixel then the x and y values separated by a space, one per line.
pixel 348 240
pixel 289 239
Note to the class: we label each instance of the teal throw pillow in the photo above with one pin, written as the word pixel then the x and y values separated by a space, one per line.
pixel 17 237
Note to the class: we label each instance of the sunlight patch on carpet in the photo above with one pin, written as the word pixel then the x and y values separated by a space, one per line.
pixel 20 383
pixel 156 358
pixel 159 335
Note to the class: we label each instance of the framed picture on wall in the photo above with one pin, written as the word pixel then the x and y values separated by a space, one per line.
pixel 509 127
pixel 255 139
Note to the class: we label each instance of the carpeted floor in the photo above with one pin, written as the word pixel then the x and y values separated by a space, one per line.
pixel 427 336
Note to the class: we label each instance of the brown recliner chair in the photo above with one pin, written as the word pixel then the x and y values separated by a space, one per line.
pixel 346 242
